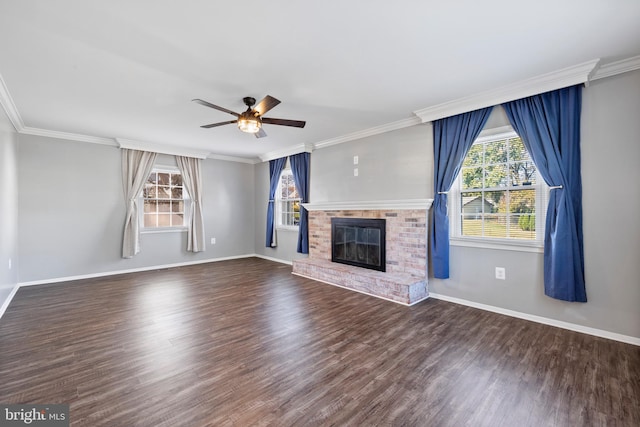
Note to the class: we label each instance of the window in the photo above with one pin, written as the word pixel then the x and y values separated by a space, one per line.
pixel 287 201
pixel 498 194
pixel 164 200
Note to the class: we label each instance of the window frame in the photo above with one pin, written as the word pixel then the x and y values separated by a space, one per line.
pixel 455 209
pixel 279 201
pixel 185 199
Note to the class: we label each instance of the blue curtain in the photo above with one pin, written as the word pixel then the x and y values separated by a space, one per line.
pixel 275 169
pixel 549 125
pixel 300 171
pixel 452 139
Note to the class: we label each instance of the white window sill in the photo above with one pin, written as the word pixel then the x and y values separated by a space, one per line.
pixel 497 244
pixel 163 230
pixel 295 228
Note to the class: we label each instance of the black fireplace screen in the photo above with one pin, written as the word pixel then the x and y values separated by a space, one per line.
pixel 359 242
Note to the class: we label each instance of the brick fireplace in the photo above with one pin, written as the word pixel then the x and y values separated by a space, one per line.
pixel 405 278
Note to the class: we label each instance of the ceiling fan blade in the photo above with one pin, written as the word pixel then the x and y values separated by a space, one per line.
pixel 284 122
pixel 218 124
pixel 215 107
pixel 266 104
pixel 260 134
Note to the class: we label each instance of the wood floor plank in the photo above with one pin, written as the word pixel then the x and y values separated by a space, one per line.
pixel 246 343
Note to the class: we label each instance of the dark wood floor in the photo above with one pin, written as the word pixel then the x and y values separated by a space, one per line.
pixel 244 342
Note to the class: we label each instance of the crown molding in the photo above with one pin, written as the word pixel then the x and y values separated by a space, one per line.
pixel 251 161
pixel 10 107
pixel 161 148
pixel 577 74
pixel 16 120
pixel 617 67
pixel 68 136
pixel 404 123
pixel 276 154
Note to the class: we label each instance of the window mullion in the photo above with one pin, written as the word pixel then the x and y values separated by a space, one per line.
pixel 482 192
pixel 507 213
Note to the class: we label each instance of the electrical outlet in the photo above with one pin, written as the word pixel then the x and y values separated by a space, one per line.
pixel 355 172
pixel 501 273
pixel 213 240
pixel 355 160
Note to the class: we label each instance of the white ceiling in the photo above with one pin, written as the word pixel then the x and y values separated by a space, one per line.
pixel 129 69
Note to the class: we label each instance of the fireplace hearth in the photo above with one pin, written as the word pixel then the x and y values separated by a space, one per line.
pixel 359 242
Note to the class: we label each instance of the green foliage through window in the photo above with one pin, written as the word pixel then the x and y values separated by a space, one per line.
pixel 498 191
pixel 288 200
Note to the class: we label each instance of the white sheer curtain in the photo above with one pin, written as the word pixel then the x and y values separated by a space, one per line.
pixel 136 167
pixel 191 179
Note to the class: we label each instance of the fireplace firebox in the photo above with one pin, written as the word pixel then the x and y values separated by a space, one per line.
pixel 359 242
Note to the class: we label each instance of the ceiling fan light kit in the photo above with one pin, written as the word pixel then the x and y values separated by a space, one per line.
pixel 249 124
pixel 251 120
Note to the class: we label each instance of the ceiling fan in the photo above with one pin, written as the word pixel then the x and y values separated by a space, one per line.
pixel 251 120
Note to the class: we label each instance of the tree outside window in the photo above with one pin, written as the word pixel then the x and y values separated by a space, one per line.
pixel 288 201
pixel 498 191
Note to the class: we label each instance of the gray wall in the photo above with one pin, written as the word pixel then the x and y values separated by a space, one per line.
pixel 72 211
pixel 8 207
pixel 611 202
pixel 391 166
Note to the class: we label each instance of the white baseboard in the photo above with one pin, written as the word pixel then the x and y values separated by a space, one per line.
pixel 130 270
pixel 268 258
pixel 7 301
pixel 539 319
